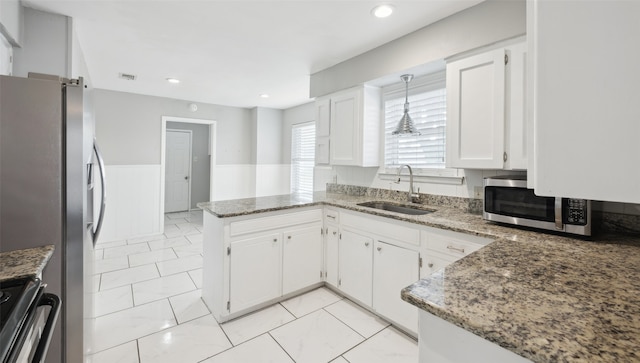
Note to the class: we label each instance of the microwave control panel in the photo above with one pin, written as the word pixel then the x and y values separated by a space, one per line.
pixel 576 211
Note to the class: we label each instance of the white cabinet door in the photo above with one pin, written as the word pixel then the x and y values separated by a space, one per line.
pixel 355 265
pixel 585 89
pixel 516 141
pixel 345 113
pixel 302 258
pixel 332 239
pixel 355 126
pixel 475 111
pixel 323 117
pixel 255 271
pixel 394 269
pixel 322 150
pixel 323 130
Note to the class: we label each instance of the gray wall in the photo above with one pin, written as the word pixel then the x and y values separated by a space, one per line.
pixel 46 45
pixel 200 160
pixel 481 25
pixel 128 127
pixel 268 136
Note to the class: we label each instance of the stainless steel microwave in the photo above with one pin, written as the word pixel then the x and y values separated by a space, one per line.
pixel 507 200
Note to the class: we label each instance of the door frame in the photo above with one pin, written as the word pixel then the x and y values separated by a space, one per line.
pixel 163 144
pixel 189 167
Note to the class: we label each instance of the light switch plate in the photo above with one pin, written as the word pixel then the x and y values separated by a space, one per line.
pixel 477 192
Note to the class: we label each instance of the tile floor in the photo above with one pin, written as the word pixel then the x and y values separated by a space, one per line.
pixel 149 309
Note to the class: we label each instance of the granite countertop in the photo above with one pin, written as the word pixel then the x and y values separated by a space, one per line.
pixel 546 297
pixel 24 263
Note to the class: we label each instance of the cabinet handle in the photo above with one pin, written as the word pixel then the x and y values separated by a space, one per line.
pixel 430 264
pixel 275 240
pixel 461 250
pixel 366 244
pixel 379 249
pixel 332 217
pixel 334 233
pixel 288 237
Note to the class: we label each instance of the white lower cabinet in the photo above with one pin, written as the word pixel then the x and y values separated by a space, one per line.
pixel 331 252
pixel 252 261
pixel 395 268
pixel 377 259
pixel 255 271
pixel 302 258
pixel 355 262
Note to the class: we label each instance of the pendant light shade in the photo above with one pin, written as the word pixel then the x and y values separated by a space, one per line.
pixel 405 126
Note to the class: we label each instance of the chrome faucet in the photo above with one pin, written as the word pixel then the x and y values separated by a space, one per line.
pixel 410 195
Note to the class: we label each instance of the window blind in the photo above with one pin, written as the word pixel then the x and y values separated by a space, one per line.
pixel 428 111
pixel 303 140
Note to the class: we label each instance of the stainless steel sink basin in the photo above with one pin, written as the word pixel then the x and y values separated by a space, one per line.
pixel 398 208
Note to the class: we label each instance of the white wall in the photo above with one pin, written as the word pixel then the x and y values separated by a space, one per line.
pixel 133 202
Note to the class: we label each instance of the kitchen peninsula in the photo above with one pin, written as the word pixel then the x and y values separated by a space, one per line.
pixel 544 297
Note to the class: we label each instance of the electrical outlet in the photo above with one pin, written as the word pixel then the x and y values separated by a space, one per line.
pixel 477 192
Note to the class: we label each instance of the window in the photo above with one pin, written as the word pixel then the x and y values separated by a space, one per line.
pixel 428 106
pixel 303 140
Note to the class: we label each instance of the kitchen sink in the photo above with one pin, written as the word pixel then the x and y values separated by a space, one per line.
pixel 398 208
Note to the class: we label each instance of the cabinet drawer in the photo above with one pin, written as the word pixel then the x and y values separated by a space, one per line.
pixel 375 226
pixel 453 243
pixel 332 216
pixel 254 225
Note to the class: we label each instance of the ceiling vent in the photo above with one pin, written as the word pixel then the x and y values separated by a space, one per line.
pixel 128 77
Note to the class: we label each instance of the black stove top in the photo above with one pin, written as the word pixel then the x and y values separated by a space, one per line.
pixel 15 298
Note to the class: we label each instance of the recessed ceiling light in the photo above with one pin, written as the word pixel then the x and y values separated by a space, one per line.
pixel 382 11
pixel 264 95
pixel 173 80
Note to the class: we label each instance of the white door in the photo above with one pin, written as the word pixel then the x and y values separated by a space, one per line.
pixel 177 171
pixel 394 269
pixel 475 111
pixel 255 271
pixel 331 255
pixel 302 265
pixel 355 264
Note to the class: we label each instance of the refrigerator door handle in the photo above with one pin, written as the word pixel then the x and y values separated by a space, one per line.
pixel 103 195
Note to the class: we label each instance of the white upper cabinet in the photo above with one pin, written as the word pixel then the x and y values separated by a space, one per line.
pixel 354 126
pixel 586 98
pixel 516 123
pixel 486 123
pixel 475 111
pixel 323 130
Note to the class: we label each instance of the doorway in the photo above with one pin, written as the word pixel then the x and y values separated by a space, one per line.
pixel 200 188
pixel 177 197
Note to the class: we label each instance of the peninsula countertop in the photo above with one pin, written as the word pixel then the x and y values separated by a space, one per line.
pixel 546 297
pixel 24 263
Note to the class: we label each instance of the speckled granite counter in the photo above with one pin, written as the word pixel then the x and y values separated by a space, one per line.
pixel 545 297
pixel 24 263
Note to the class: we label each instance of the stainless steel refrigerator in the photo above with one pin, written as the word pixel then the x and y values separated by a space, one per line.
pixel 49 172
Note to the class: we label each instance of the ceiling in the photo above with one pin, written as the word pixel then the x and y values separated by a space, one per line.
pixel 231 52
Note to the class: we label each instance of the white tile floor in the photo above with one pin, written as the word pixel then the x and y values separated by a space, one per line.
pixel 149 309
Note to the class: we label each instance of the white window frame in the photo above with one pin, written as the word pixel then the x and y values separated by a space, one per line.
pixel 293 188
pixel 419 84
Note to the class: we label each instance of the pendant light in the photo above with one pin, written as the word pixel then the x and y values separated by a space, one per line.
pixel 405 126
